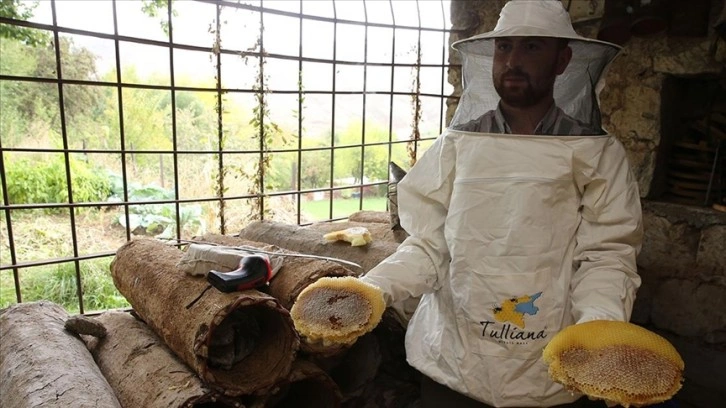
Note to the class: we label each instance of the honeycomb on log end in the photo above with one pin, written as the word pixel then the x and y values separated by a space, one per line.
pixel 337 310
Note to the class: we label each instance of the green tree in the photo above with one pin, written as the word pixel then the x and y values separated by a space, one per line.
pixel 12 122
pixel 315 166
pixel 238 129
pixel 145 118
pixel 25 105
pixel 348 160
pixel 195 120
pixel 158 8
pixel 21 10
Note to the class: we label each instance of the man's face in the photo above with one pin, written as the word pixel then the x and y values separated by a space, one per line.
pixel 525 68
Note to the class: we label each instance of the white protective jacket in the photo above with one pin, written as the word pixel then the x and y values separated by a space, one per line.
pixel 512 238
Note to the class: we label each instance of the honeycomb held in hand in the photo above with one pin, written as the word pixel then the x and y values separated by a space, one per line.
pixel 337 310
pixel 615 361
pixel 357 236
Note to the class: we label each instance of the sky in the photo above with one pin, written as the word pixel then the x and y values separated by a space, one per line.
pixel 240 30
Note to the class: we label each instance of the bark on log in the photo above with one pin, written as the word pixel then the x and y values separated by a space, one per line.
pixel 380 217
pixel 307 386
pixel 144 372
pixel 191 317
pixel 309 241
pixel 379 232
pixel 43 365
pixel 294 275
pixel 85 325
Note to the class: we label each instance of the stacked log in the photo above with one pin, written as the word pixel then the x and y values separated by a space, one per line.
pixel 205 327
pixel 394 383
pixel 309 240
pixel 43 365
pixel 186 344
pixel 144 372
pixel 145 272
pixel 370 217
pixel 352 368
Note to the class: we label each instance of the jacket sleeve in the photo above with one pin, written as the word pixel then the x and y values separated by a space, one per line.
pixel 423 200
pixel 609 238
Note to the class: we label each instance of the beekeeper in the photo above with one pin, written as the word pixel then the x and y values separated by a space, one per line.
pixel 523 216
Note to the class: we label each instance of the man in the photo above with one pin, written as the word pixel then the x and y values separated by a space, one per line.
pixel 515 230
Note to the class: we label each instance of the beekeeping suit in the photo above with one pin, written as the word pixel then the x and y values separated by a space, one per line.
pixel 514 237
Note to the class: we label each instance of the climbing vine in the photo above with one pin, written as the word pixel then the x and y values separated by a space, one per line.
pixel 265 132
pixel 411 146
pixel 222 171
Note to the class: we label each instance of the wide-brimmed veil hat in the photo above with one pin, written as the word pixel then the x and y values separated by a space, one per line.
pixel 575 90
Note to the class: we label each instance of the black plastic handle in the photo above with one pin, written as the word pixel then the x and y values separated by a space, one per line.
pixel 253 271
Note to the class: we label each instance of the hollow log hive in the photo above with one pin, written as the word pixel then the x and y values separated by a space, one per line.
pixel 169 301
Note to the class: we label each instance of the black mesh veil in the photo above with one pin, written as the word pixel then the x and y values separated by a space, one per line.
pixel 575 90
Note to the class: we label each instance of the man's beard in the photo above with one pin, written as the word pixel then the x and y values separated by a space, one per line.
pixel 521 97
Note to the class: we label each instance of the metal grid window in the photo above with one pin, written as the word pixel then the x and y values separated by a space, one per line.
pixel 173 119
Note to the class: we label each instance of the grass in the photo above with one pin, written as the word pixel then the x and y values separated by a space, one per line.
pixel 57 283
pixel 39 236
pixel 343 207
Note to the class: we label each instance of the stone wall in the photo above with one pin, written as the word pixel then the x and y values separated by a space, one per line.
pixel 631 101
pixel 683 260
pixel 683 294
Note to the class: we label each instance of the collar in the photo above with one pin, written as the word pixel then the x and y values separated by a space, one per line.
pixel 544 126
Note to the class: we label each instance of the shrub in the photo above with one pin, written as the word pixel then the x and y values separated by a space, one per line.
pixel 41 181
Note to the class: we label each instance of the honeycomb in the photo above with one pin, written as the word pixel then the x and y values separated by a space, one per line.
pixel 357 236
pixel 615 361
pixel 337 310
